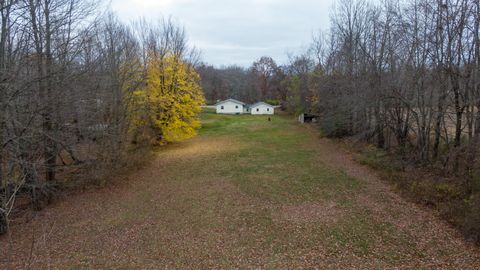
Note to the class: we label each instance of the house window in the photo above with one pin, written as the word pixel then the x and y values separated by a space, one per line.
pixel 221 108
pixel 268 109
pixel 236 107
pixel 258 109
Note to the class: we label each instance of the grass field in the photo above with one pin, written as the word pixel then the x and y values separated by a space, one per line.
pixel 246 193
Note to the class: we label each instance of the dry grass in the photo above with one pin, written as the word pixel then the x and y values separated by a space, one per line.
pixel 326 212
pixel 247 193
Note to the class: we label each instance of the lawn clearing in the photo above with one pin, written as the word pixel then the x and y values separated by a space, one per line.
pixel 246 193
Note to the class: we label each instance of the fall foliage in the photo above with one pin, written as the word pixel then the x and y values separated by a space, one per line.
pixel 167 107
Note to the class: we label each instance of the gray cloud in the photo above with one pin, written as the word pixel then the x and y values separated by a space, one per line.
pixel 238 32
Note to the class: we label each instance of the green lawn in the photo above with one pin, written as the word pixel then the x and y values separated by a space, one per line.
pixel 277 162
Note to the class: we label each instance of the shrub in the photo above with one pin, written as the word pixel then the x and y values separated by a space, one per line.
pixel 472 219
pixel 336 124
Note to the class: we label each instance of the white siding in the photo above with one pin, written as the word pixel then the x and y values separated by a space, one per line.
pixel 229 108
pixel 262 109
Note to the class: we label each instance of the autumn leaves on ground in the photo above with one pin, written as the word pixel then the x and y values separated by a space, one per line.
pixel 245 193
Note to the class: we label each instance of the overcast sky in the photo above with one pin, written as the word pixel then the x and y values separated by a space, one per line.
pixel 238 31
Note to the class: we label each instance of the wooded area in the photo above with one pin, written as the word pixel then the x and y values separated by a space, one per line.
pixel 83 94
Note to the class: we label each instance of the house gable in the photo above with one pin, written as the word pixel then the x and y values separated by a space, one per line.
pixel 230 100
pixel 260 104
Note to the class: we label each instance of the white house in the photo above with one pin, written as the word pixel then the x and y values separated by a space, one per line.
pixel 230 106
pixel 261 108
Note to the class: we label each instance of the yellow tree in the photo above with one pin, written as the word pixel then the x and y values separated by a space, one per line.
pixel 170 101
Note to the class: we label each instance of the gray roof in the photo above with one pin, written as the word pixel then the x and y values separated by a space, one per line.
pixel 260 103
pixel 231 100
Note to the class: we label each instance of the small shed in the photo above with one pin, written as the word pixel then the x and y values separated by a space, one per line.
pixel 308 118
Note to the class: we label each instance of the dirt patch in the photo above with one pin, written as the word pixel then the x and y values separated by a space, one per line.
pixel 319 212
pixel 199 147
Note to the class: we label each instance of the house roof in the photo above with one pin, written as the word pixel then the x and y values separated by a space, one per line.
pixel 260 103
pixel 231 100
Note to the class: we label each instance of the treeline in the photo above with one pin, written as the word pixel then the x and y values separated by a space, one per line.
pixel 405 75
pixel 260 82
pixel 402 75
pixel 79 91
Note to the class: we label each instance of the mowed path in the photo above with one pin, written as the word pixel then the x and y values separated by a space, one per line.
pixel 246 193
